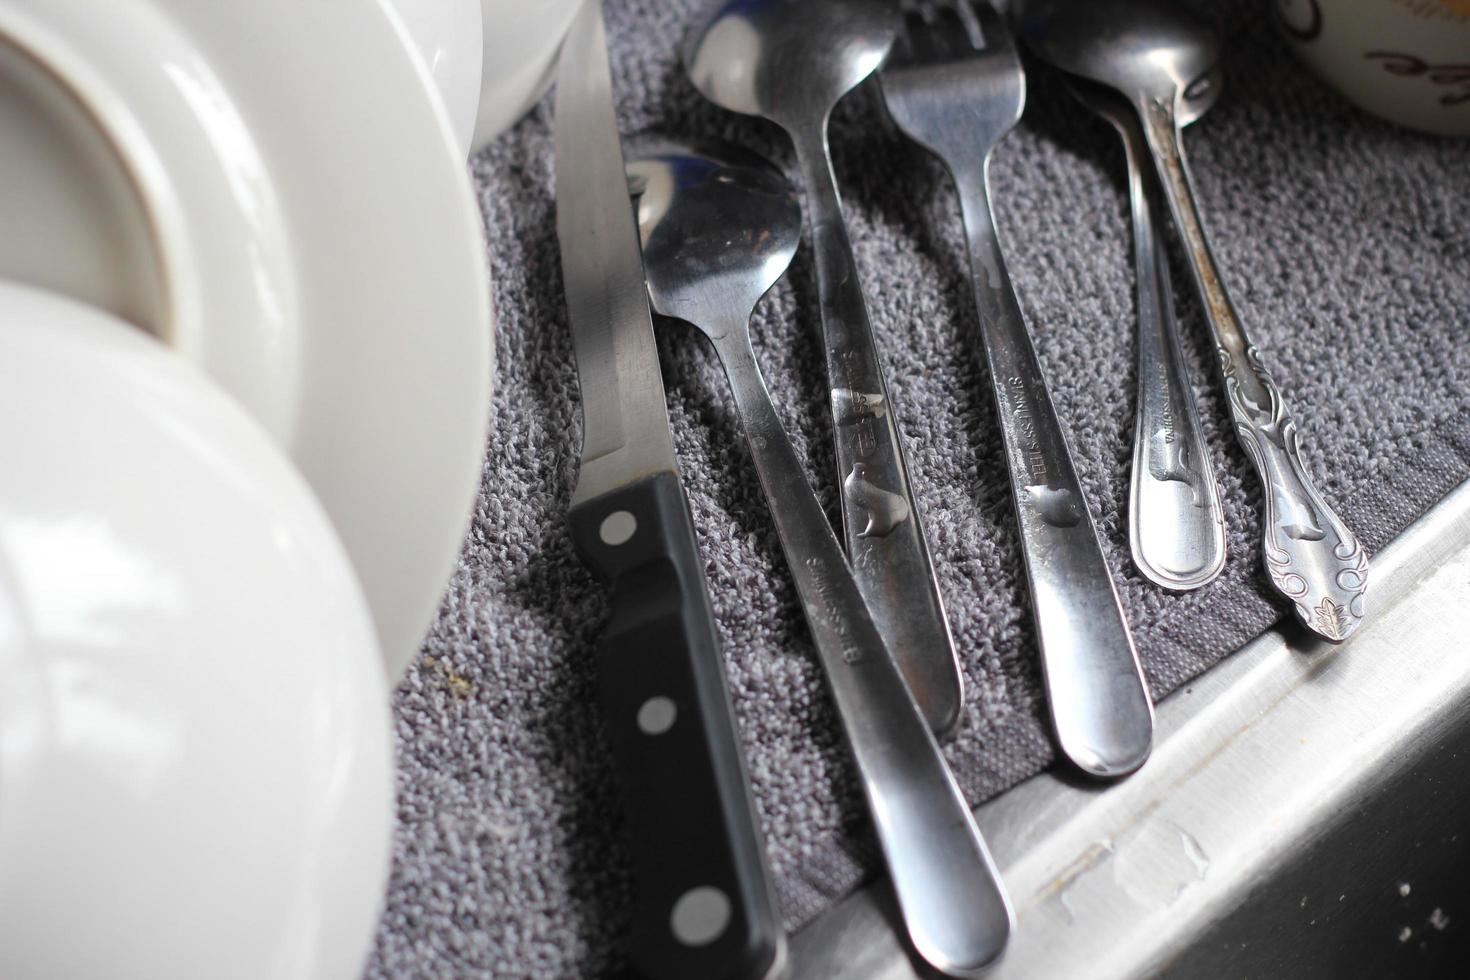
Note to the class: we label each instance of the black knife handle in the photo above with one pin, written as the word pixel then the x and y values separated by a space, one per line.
pixel 703 904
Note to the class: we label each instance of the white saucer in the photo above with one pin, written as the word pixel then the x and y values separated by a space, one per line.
pixel 272 188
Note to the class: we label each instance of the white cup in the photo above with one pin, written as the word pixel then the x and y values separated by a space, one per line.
pixel 490 60
pixel 1406 61
pixel 521 43
pixel 446 35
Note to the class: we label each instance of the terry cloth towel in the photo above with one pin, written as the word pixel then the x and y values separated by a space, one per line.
pixel 1346 244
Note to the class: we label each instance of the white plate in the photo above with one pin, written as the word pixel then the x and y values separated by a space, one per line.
pixel 196 761
pixel 272 188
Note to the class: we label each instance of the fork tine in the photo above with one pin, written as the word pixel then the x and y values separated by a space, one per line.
pixel 915 44
pixel 950 30
pixel 995 35
pixel 955 37
pixel 902 52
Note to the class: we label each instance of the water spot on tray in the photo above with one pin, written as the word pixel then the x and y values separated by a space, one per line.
pixel 1158 863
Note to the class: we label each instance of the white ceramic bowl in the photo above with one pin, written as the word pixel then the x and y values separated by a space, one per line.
pixel 521 43
pixel 195 754
pixel 271 187
pixel 1407 61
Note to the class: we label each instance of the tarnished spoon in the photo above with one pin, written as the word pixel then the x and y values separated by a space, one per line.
pixel 1152 52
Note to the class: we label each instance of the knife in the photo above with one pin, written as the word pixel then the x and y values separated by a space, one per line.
pixel 703 905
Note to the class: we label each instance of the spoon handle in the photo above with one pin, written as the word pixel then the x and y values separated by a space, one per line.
pixel 1309 553
pixel 950 894
pixel 880 519
pixel 1176 520
pixel 1099 702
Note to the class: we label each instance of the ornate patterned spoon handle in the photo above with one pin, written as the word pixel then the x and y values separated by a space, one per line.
pixel 1310 555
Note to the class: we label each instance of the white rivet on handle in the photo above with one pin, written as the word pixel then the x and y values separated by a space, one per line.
pixel 700 916
pixel 618 528
pixel 657 716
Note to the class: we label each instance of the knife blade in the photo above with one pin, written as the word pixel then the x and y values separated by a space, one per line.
pixel 703 905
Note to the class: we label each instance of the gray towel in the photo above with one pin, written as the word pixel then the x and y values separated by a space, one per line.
pixel 1346 243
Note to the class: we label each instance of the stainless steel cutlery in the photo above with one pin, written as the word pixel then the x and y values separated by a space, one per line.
pixel 703 905
pixel 719 228
pixel 791 63
pixel 1152 52
pixel 955 86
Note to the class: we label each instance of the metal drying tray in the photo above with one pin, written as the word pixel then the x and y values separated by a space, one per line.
pixel 1304 813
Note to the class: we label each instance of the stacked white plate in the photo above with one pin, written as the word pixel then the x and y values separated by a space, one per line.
pixel 218 543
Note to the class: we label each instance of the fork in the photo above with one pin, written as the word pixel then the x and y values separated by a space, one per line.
pixel 954 85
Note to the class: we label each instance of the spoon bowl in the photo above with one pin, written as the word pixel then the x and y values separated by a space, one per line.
pixel 756 57
pixel 1146 49
pixel 732 235
pixel 1198 99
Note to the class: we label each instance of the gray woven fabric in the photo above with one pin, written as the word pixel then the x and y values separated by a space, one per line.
pixel 1347 245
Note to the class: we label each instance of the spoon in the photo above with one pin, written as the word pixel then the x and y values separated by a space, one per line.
pixel 791 63
pixel 719 228
pixel 1176 519
pixel 1151 52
